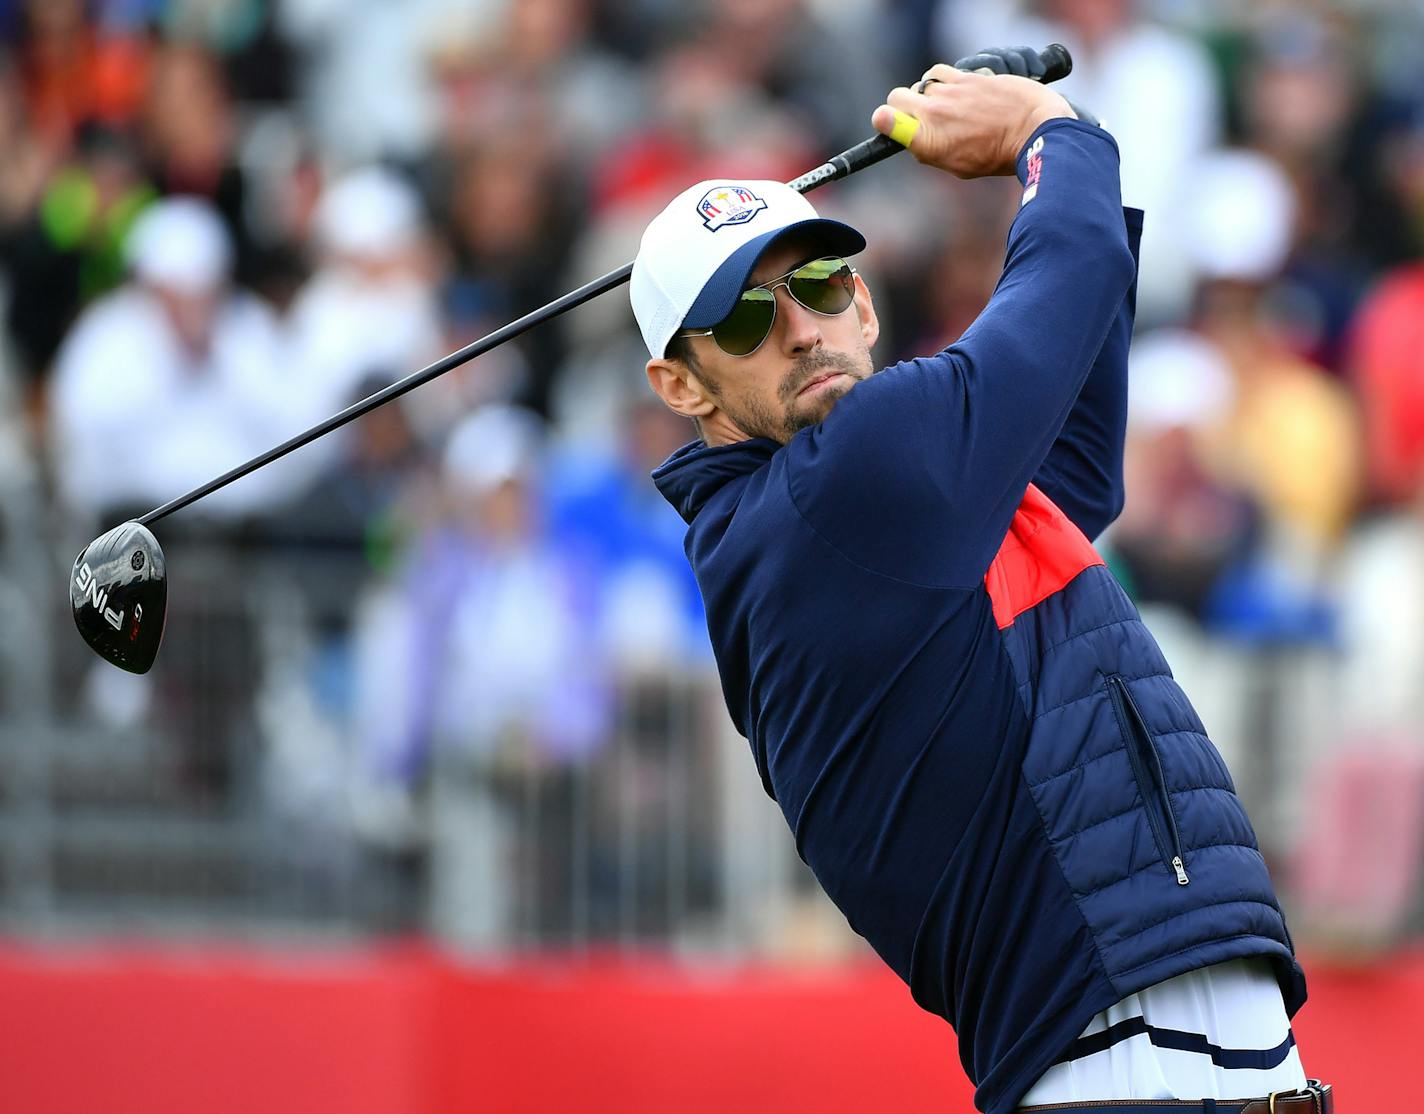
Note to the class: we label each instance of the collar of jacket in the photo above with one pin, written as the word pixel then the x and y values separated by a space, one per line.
pixel 697 471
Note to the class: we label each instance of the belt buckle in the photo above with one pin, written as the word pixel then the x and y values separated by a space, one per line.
pixel 1311 1089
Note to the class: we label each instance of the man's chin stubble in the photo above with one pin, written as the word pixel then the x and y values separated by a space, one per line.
pixel 763 422
pixel 817 413
pixel 814 365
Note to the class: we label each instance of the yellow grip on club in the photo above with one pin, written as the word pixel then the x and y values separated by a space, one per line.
pixel 904 129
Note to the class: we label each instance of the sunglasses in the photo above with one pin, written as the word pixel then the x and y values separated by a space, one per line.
pixel 825 286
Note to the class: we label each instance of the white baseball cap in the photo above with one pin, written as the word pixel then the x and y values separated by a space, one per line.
pixel 372 213
pixel 180 243
pixel 494 444
pixel 1240 220
pixel 698 253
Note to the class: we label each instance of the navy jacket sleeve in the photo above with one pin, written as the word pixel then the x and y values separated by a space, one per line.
pixel 917 472
pixel 1083 471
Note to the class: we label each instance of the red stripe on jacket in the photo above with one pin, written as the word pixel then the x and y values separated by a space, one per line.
pixel 1041 553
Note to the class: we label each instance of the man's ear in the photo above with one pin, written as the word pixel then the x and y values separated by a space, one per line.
pixel 865 308
pixel 674 383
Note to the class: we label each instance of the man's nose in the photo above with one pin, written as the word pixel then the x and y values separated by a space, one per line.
pixel 800 328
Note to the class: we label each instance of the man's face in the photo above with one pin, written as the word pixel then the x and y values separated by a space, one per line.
pixel 192 315
pixel 807 364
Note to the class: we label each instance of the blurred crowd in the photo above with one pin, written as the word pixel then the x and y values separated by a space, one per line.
pixel 223 220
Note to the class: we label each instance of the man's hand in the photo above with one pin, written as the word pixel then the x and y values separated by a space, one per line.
pixel 1022 61
pixel 971 125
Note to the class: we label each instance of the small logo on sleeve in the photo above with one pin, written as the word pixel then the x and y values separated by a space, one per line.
pixel 726 205
pixel 1035 172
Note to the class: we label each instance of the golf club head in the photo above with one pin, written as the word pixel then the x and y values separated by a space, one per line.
pixel 119 594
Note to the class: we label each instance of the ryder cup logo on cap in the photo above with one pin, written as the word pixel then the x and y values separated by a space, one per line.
pixel 726 205
pixel 698 254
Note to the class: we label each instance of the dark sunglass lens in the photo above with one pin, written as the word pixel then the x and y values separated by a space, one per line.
pixel 742 330
pixel 823 285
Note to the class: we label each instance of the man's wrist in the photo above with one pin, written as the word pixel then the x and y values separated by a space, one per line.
pixel 1033 122
pixel 1041 116
pixel 1054 123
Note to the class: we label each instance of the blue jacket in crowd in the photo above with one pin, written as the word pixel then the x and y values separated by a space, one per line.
pixel 978 745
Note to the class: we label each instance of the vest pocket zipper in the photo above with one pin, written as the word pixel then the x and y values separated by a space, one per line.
pixel 1151 779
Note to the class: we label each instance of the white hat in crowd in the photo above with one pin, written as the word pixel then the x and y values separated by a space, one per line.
pixel 697 254
pixel 1241 216
pixel 494 444
pixel 181 244
pixel 372 213
pixel 1177 378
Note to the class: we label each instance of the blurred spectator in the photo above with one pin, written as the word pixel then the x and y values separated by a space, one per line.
pixel 75 72
pixel 493 618
pixel 67 249
pixel 329 543
pixel 350 523
pixel 1388 363
pixel 287 182
pixel 1292 438
pixel 1298 102
pixel 170 380
pixel 481 664
pixel 938 283
pixel 1298 92
pixel 244 33
pixel 25 160
pixel 355 506
pixel 510 232
pixel 1182 529
pixel 1380 581
pixel 371 303
pixel 1384 169
pixel 188 135
pixel 1382 605
pixel 602 510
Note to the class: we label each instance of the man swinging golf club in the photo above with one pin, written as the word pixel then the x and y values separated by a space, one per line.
pixel 979 747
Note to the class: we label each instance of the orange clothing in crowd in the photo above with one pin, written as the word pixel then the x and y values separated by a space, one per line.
pixel 88 78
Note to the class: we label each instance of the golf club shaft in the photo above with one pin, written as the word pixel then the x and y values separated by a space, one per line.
pixel 864 154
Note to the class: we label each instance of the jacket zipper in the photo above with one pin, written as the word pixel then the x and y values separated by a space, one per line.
pixel 1153 788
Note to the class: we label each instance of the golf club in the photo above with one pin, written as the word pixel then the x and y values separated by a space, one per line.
pixel 118 589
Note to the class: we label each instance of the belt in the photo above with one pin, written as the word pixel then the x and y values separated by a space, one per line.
pixel 1317 1098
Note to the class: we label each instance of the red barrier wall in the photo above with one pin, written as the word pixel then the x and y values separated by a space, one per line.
pixel 128 1031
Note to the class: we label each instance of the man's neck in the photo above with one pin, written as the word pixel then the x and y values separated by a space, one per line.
pixel 718 429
